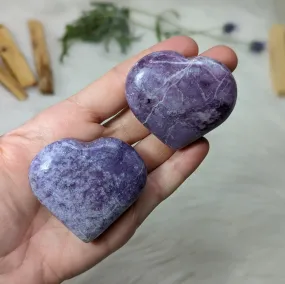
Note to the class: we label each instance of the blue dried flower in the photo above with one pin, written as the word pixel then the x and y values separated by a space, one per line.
pixel 257 46
pixel 229 28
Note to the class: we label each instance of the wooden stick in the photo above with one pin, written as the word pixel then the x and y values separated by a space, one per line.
pixel 14 59
pixel 6 69
pixel 12 85
pixel 277 58
pixel 41 56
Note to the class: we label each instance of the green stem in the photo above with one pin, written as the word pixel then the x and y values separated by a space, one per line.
pixel 146 13
pixel 184 30
pixel 154 16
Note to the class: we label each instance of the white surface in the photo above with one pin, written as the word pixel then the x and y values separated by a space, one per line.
pixel 227 223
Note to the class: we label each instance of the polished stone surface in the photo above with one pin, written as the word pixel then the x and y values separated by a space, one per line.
pixel 87 186
pixel 178 99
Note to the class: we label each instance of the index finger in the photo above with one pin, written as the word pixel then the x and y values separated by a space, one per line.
pixel 106 96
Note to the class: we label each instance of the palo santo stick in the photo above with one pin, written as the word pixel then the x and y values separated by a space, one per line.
pixel 7 69
pixel 12 85
pixel 41 56
pixel 14 60
pixel 277 58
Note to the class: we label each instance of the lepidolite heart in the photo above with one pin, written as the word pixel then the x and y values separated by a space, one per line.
pixel 87 186
pixel 178 99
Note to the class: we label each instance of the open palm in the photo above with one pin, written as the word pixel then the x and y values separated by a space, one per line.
pixel 37 248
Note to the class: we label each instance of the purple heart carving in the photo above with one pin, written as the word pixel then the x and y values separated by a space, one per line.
pixel 87 186
pixel 178 99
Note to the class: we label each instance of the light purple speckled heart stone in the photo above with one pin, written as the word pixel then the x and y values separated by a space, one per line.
pixel 87 186
pixel 178 99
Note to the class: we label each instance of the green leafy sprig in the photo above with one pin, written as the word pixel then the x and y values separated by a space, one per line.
pixel 104 23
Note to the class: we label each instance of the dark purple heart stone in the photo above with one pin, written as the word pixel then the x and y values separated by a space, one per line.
pixel 178 99
pixel 87 186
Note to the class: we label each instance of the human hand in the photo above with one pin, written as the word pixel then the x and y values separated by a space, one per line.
pixel 37 248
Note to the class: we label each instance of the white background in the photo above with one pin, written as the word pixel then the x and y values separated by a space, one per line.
pixel 226 224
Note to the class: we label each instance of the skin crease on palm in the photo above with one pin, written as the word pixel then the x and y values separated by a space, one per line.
pixel 34 246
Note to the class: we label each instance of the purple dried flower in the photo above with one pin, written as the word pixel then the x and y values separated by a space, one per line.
pixel 257 46
pixel 229 28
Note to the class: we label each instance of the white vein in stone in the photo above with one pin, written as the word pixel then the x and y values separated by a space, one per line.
pixel 183 71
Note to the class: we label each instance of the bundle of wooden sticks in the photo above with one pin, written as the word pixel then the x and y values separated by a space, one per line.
pixel 15 72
